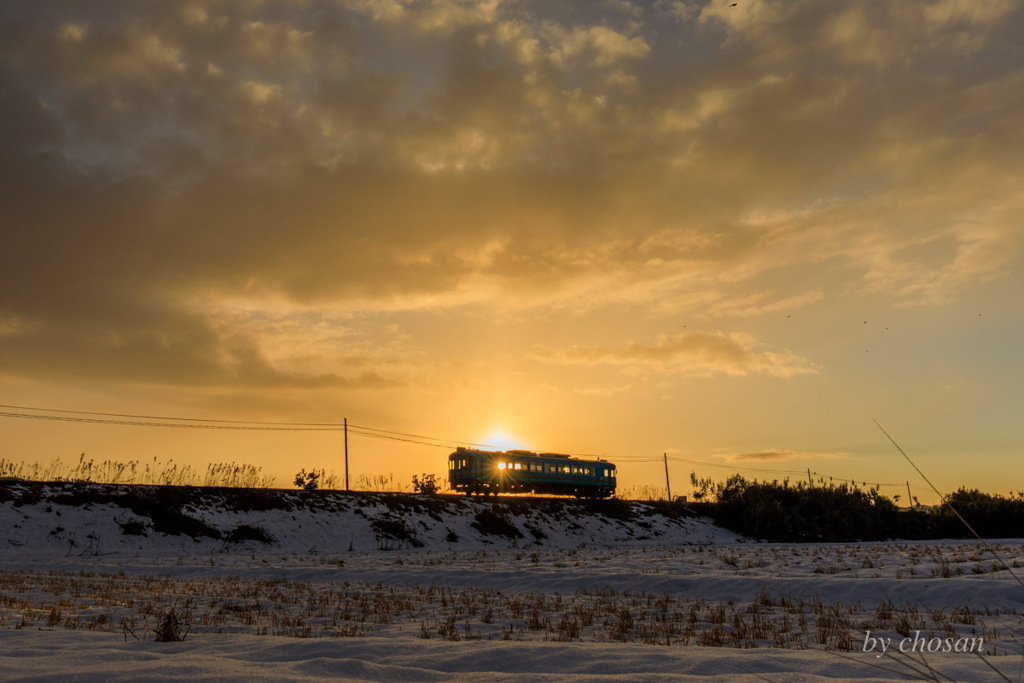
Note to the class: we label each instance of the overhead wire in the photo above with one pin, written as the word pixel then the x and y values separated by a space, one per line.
pixel 135 420
pixel 180 419
pixel 178 425
pixel 208 423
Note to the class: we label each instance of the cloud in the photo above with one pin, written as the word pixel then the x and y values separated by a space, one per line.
pixel 753 304
pixel 439 18
pixel 772 454
pixel 602 45
pixel 697 353
pixel 381 157
pixel 950 11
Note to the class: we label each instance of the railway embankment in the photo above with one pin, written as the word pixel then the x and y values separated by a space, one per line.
pixel 53 520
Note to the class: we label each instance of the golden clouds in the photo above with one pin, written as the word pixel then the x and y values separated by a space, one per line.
pixel 601 45
pixel 500 159
pixel 71 33
pixel 441 17
pixel 950 11
pixel 772 454
pixel 696 353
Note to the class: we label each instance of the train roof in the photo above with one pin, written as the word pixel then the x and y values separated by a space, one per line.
pixel 527 454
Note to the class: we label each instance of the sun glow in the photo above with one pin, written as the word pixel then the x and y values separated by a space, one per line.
pixel 499 440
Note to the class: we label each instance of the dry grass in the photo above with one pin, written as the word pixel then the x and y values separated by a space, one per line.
pixel 139 606
pixel 157 473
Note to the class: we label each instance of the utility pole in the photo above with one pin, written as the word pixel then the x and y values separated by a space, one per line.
pixel 910 501
pixel 809 480
pixel 667 486
pixel 346 455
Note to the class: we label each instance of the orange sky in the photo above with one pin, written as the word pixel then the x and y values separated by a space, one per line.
pixel 730 234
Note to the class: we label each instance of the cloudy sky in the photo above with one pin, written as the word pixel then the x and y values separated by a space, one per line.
pixel 730 232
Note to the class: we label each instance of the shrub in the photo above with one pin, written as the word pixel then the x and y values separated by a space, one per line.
pixel 171 630
pixel 390 529
pixel 613 508
pixel 491 524
pixel 133 527
pixel 308 481
pixel 426 485
pixel 247 532
pixel 782 512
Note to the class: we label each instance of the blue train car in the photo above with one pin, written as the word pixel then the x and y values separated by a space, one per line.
pixel 492 472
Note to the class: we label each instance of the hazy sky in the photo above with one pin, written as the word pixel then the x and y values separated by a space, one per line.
pixel 734 234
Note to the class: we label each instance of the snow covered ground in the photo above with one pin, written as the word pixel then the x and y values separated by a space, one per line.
pixel 372 589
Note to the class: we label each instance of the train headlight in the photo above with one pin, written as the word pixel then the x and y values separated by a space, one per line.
pixel 501 465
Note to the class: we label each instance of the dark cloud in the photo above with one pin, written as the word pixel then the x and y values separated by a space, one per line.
pixel 162 159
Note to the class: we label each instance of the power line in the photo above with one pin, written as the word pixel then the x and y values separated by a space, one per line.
pixel 207 423
pixel 249 425
pixel 362 430
pixel 373 435
pixel 176 422
pixel 177 425
pixel 417 436
pixel 180 419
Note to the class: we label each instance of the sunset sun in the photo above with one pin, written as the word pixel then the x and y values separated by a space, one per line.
pixel 500 440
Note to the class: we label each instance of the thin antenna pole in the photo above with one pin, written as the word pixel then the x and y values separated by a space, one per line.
pixel 346 455
pixel 910 499
pixel 667 486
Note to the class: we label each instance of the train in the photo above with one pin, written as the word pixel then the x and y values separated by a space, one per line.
pixel 475 472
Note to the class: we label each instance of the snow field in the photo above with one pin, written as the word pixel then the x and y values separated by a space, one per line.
pixel 340 592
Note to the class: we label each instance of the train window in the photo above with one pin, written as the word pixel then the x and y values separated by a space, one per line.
pixel 589 471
